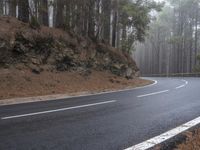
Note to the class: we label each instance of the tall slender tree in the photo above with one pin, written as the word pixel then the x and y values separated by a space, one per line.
pixel 43 12
pixel 23 10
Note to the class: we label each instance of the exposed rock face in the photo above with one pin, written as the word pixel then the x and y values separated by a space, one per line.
pixel 59 50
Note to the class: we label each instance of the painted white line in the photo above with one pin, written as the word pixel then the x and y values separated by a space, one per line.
pixel 165 136
pixel 181 86
pixel 56 110
pixel 150 94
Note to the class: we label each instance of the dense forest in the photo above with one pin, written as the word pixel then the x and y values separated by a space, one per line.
pixel 119 23
pixel 173 42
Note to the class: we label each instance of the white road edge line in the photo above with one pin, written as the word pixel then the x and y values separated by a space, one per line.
pixel 150 94
pixel 186 82
pixel 165 136
pixel 56 110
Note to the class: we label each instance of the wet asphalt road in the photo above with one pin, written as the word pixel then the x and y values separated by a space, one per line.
pixel 101 122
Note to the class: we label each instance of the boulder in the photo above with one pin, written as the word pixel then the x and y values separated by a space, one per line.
pixel 129 73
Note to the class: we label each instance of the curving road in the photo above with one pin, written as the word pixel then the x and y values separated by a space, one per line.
pixel 112 121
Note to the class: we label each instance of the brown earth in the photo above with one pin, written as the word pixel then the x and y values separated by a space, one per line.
pixel 23 83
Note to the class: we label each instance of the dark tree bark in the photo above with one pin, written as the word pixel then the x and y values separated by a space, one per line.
pixel 115 22
pixel 91 19
pixel 1 7
pixel 59 21
pixel 106 4
pixel 68 16
pixel 23 12
pixel 12 8
pixel 43 13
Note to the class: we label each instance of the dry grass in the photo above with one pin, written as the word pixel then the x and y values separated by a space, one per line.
pixel 192 142
pixel 15 83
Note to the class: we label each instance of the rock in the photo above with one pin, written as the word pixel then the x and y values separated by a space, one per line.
pixel 116 69
pixel 20 48
pixel 35 61
pixel 129 73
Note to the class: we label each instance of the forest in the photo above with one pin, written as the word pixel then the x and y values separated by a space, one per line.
pixel 173 41
pixel 119 23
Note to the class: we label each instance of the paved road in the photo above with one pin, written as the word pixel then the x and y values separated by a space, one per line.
pixel 103 122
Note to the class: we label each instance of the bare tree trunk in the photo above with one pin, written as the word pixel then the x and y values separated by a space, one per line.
pixel 114 24
pixel 68 16
pixel 59 21
pixel 1 7
pixel 106 22
pixel 23 10
pixel 91 19
pixel 196 36
pixel 12 8
pixel 43 13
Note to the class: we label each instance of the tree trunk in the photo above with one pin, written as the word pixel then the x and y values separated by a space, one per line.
pixel 114 29
pixel 12 8
pixel 59 21
pixel 68 17
pixel 196 36
pixel 23 10
pixel 43 13
pixel 1 7
pixel 106 4
pixel 91 20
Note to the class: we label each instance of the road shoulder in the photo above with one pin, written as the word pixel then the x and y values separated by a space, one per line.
pixel 130 85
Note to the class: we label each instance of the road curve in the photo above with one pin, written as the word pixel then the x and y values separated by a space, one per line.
pixel 112 121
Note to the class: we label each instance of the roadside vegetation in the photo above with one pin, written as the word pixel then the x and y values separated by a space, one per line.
pixel 192 141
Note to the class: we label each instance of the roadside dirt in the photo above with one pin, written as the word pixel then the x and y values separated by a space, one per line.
pixel 192 141
pixel 189 140
pixel 16 83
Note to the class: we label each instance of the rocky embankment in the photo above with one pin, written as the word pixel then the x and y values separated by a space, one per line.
pixel 50 49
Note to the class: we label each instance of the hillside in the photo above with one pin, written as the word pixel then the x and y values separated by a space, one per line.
pixel 52 61
pixel 49 49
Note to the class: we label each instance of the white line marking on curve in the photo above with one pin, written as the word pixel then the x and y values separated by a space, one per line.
pixel 150 94
pixel 165 136
pixel 186 82
pixel 56 110
pixel 181 86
